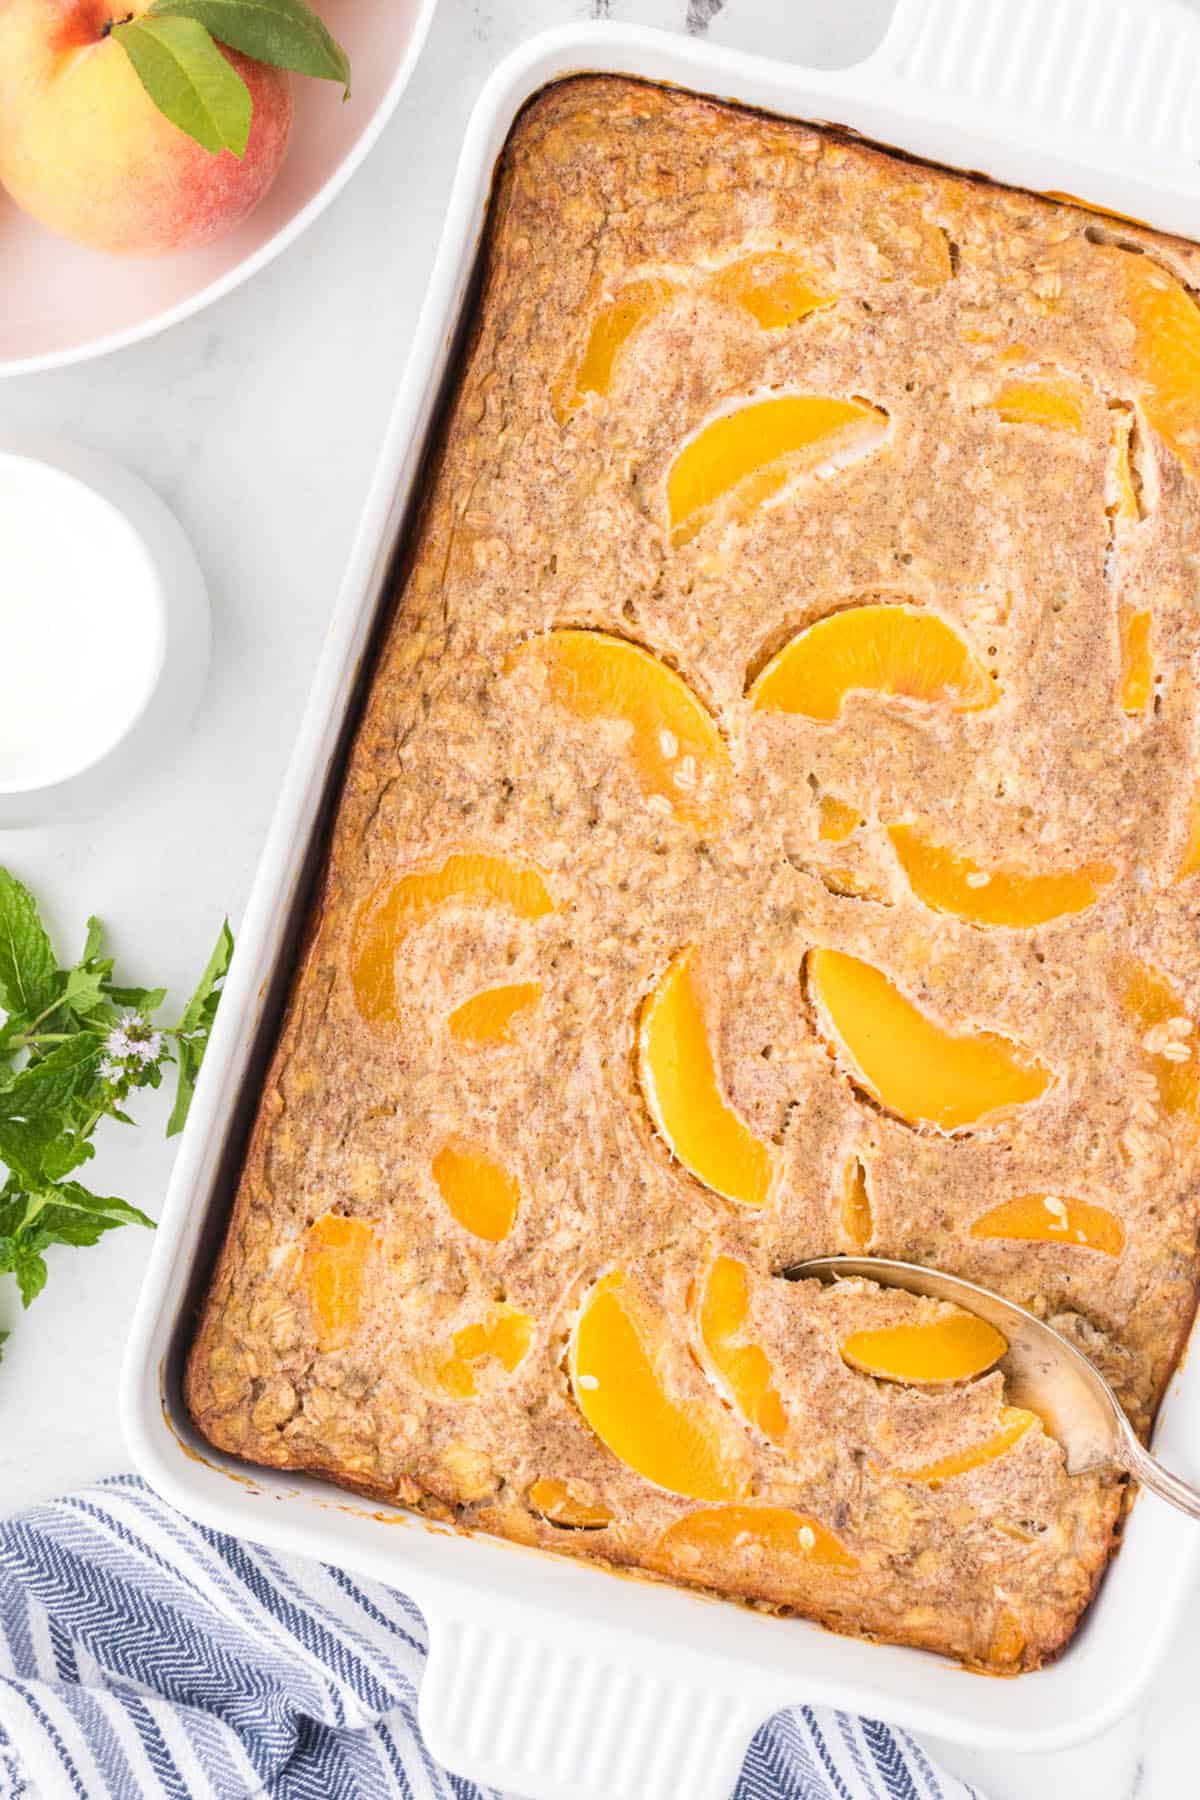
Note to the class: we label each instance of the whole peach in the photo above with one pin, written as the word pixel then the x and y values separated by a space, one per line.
pixel 86 151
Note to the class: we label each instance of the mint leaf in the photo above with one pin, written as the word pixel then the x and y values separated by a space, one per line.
pixel 49 1085
pixel 143 1000
pixel 28 967
pixel 189 80
pixel 29 1267
pixel 201 1009
pixel 84 991
pixel 195 1025
pixel 286 33
pixel 68 1213
pixel 48 1111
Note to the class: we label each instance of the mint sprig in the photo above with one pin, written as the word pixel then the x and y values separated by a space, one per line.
pixel 173 47
pixel 74 1046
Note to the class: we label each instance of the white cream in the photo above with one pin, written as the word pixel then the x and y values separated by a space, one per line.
pixel 81 636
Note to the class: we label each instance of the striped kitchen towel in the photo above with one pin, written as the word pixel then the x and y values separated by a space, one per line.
pixel 144 1658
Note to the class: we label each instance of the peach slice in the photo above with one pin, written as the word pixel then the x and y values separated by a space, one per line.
pixel 556 1503
pixel 955 1347
pixel 1051 1219
pixel 676 748
pixel 744 1368
pixel 1137 664
pixel 954 884
pixel 681 1445
pixel 700 1540
pixel 1008 1640
pixel 896 650
pixel 613 326
pixel 487 1018
pixel 838 820
pixel 1189 862
pixel 1166 352
pixel 857 1223
pixel 1053 401
pixel 332 1271
pixel 480 1193
pixel 752 452
pixel 1168 1038
pixel 396 907
pixel 908 1063
pixel 505 1336
pixel 1014 1422
pixel 679 1080
pixel 774 288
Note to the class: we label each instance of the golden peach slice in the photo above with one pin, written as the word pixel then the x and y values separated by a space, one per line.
pixel 1167 1037
pixel 1053 401
pixel 1052 1219
pixel 613 326
pixel 744 1368
pixel 681 1445
pixel 857 1223
pixel 896 650
pixel 955 1347
pixel 679 1079
pixel 753 452
pixel 1189 861
pixel 333 1272
pixel 954 884
pixel 1008 1640
pixel 774 288
pixel 395 908
pixel 505 1335
pixel 676 748
pixel 1166 351
pixel 1014 1422
pixel 693 1545
pixel 1137 663
pixel 487 1018
pixel 914 1067
pixel 556 1503
pixel 479 1193
pixel 838 820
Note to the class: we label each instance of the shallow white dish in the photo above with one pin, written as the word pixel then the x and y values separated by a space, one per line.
pixel 104 628
pixel 547 1678
pixel 64 304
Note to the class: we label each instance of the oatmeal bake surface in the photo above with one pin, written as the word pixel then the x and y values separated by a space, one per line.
pixel 584 1048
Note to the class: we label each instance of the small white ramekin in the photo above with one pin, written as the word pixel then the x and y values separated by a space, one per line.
pixel 137 583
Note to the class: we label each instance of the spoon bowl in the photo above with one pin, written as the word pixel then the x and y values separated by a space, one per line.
pixel 1043 1372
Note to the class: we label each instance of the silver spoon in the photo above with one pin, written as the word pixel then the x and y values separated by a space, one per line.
pixel 1042 1371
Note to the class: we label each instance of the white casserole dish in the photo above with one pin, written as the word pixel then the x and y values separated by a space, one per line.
pixel 546 1677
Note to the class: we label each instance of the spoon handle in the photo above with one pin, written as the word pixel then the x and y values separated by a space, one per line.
pixel 1150 1472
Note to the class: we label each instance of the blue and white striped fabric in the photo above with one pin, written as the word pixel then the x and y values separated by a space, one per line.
pixel 143 1658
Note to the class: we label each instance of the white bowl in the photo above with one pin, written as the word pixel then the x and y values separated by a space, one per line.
pixel 64 304
pixel 104 630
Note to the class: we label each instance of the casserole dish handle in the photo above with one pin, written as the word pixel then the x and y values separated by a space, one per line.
pixel 515 1711
pixel 1106 80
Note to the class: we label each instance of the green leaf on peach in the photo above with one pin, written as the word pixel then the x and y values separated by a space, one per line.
pixel 189 79
pixel 286 33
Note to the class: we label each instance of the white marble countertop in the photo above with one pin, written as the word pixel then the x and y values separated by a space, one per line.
pixel 259 422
